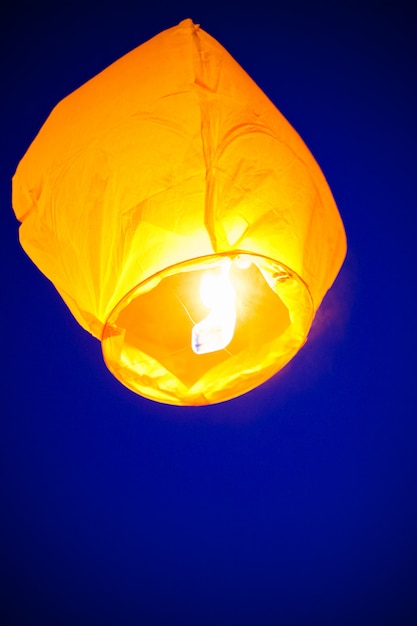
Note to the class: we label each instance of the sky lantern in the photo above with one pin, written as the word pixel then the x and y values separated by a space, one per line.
pixel 182 219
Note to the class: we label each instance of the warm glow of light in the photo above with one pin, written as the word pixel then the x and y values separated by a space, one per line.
pixel 169 168
pixel 215 331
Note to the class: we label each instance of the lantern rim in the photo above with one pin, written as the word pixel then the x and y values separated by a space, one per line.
pixel 283 281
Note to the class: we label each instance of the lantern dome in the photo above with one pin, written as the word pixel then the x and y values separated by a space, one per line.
pixel 182 219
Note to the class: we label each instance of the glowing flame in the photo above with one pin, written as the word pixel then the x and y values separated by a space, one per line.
pixel 215 331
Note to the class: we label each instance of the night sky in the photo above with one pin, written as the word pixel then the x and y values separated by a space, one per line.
pixel 294 504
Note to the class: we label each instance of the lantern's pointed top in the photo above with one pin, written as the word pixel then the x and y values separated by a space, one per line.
pixel 188 23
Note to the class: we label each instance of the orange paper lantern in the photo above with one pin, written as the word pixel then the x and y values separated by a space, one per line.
pixel 182 219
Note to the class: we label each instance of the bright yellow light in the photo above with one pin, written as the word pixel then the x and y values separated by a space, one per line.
pixel 215 331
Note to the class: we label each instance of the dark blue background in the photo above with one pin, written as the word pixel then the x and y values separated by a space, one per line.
pixel 295 504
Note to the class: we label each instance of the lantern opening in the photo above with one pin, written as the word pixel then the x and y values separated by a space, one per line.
pixel 259 316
